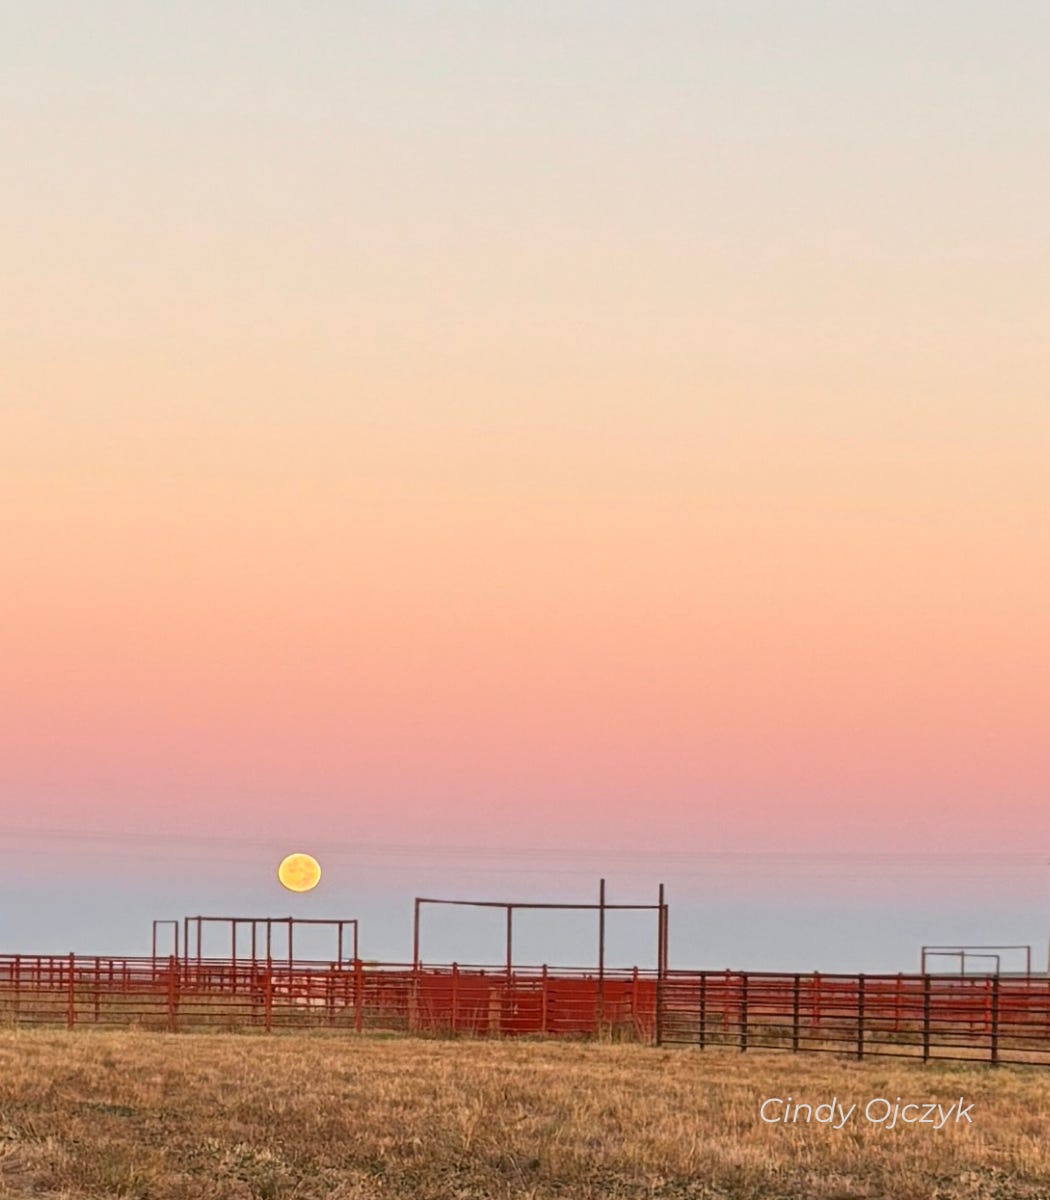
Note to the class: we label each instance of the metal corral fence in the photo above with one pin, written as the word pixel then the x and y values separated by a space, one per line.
pixel 993 1018
pixel 201 994
pixel 966 1018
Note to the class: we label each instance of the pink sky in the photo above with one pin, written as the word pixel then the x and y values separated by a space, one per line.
pixel 560 456
pixel 626 630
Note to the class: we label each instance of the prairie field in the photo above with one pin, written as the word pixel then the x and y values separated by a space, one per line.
pixel 298 1117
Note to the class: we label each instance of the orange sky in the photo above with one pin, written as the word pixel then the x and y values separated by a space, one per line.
pixel 537 430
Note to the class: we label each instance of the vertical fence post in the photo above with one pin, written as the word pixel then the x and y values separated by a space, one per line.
pixel 743 1011
pixel 600 999
pixel 703 1011
pixel 796 1012
pixel 661 920
pixel 897 1003
pixel 634 1001
pixel 329 993
pixel 544 998
pixel 658 1012
pixel 987 1006
pixel 995 1021
pixel 860 1016
pixel 268 996
pixel 412 1002
pixel 510 941
pixel 359 996
pixel 71 994
pixel 172 996
pixel 926 1000
pixel 454 1006
pixel 1045 1005
pixel 815 1002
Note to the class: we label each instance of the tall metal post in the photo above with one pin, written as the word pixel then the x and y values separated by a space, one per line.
pixel 994 1047
pixel 659 1015
pixel 172 995
pixel 1048 949
pixel 702 1031
pixel 744 1012
pixel 796 1012
pixel 71 992
pixel 268 993
pixel 860 1016
pixel 601 955
pixel 926 1014
pixel 510 939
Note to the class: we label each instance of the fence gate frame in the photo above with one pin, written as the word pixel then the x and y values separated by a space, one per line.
pixel 964 952
pixel 602 907
pixel 195 925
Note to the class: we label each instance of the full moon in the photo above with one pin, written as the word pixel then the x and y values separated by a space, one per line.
pixel 299 872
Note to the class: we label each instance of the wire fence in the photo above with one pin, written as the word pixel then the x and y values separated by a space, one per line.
pixel 973 1018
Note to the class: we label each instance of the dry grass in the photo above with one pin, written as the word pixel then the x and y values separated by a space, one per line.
pixel 190 1117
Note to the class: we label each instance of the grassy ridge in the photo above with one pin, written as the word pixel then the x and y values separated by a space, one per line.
pixel 190 1117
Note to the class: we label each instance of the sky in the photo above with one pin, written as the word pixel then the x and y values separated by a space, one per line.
pixel 494 446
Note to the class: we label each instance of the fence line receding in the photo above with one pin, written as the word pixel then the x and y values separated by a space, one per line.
pixel 975 1018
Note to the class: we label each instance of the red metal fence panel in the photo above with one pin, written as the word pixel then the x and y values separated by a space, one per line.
pixel 990 1018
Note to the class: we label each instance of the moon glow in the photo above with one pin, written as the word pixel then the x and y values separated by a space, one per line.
pixel 299 872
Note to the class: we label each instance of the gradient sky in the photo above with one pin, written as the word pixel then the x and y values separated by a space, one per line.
pixel 495 445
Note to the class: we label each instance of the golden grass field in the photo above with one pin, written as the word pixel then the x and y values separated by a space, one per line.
pixel 298 1117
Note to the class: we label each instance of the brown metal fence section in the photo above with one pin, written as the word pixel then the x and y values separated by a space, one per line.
pixel 989 1018
pixel 975 1018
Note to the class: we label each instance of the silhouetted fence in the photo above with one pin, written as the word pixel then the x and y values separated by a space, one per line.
pixel 989 1018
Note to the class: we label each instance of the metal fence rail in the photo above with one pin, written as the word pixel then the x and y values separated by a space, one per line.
pixel 179 994
pixel 989 1018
